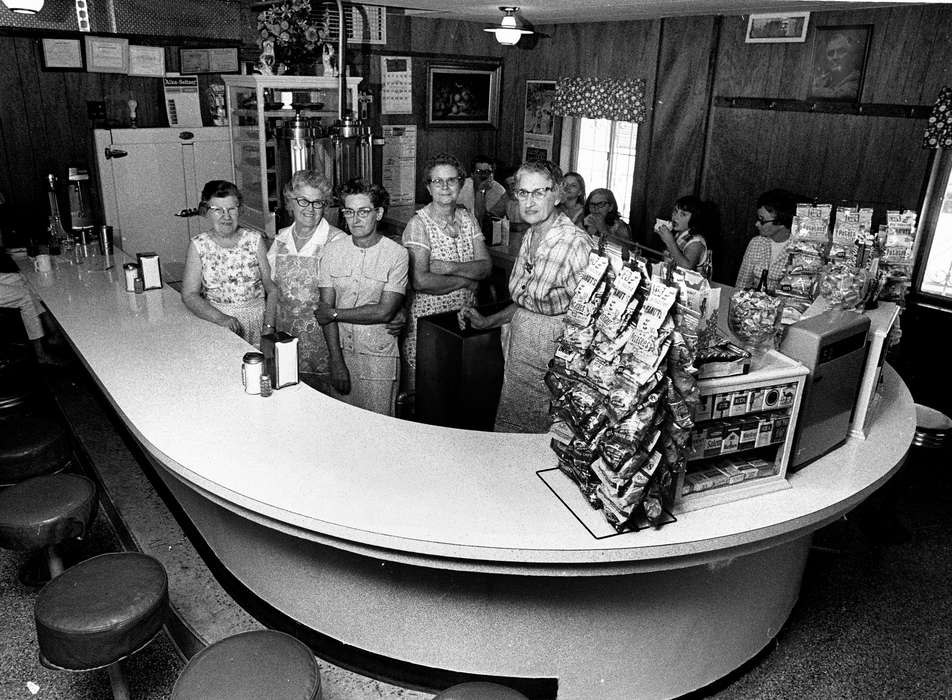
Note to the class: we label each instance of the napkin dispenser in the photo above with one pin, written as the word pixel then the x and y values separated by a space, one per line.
pixel 280 351
pixel 151 270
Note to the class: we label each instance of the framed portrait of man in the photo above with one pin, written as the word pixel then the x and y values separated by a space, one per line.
pixel 839 62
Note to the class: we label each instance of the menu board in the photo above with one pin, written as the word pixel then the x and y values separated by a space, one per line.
pixel 399 163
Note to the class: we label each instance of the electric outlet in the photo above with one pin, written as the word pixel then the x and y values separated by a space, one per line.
pixel 96 110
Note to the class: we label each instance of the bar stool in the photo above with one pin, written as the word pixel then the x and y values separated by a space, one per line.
pixel 249 666
pixel 101 611
pixel 44 511
pixel 31 443
pixel 18 377
pixel 480 691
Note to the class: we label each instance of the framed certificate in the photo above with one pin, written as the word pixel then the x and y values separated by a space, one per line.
pixel 62 54
pixel 106 54
pixel 147 61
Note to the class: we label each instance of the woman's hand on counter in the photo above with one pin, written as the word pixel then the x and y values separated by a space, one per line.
pixel 476 319
pixel 231 323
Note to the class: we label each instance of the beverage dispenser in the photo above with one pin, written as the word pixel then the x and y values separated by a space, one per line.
pixel 352 141
pixel 296 150
pixel 80 200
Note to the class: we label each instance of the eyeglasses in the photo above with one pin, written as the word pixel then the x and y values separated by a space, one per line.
pixel 762 222
pixel 313 203
pixel 448 183
pixel 536 195
pixel 483 171
pixel 599 205
pixel 219 212
pixel 361 213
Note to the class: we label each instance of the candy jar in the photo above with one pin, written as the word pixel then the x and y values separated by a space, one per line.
pixel 754 317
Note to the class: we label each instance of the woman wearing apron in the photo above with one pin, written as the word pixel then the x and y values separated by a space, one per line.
pixel 294 257
pixel 552 259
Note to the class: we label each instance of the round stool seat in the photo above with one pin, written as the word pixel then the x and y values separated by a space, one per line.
pixel 45 510
pixel 480 691
pixel 249 666
pixel 18 379
pixel 932 427
pixel 101 610
pixel 30 445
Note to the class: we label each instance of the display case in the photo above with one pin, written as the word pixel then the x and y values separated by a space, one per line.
pixel 743 434
pixel 258 106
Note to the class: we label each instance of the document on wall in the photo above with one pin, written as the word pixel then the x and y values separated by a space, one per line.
pixel 182 100
pixel 396 85
pixel 399 163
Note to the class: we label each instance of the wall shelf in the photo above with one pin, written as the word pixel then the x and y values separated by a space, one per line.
pixel 868 109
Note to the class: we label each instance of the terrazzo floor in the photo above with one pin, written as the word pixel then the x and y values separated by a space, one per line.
pixel 874 618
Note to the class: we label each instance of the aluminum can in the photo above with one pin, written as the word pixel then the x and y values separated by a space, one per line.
pixel 104 234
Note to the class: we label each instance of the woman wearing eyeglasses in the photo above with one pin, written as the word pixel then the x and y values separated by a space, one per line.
pixel 227 278
pixel 602 219
pixel 294 257
pixel 775 211
pixel 448 254
pixel 362 281
pixel 552 259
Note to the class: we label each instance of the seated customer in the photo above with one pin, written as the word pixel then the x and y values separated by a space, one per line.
pixel 227 278
pixel 480 193
pixel 573 198
pixel 15 294
pixel 294 257
pixel 694 226
pixel 602 218
pixel 362 280
pixel 775 211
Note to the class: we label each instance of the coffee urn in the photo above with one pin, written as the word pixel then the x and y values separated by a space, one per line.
pixel 296 151
pixel 352 142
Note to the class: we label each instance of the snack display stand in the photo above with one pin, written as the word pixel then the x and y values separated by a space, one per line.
pixel 440 551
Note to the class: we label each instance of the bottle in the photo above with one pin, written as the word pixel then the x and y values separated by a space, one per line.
pixel 762 285
pixel 58 238
pixel 265 385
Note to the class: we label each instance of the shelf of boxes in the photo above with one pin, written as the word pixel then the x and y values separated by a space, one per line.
pixel 743 434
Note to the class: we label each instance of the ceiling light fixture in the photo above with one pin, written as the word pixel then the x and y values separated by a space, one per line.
pixel 24 7
pixel 508 33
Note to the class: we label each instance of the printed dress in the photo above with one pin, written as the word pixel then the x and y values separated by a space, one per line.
pixel 454 242
pixel 295 272
pixel 231 280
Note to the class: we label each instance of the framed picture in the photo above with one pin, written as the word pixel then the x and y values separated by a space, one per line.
pixel 106 54
pixel 777 28
pixel 839 62
pixel 461 95
pixel 539 124
pixel 62 54
pixel 147 61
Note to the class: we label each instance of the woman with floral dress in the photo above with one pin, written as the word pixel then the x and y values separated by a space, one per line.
pixel 227 278
pixel 294 257
pixel 448 254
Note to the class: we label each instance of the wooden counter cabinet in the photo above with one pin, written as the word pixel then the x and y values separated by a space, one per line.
pixel 743 434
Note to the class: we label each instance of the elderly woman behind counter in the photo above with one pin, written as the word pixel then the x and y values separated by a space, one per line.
pixel 227 278
pixel 294 258
pixel 363 280
pixel 448 254
pixel 552 259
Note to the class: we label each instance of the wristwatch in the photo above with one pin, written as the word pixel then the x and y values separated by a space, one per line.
pixel 334 315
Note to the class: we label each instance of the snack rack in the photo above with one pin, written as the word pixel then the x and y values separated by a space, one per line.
pixel 743 434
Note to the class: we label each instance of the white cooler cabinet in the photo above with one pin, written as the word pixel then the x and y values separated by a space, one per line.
pixel 161 173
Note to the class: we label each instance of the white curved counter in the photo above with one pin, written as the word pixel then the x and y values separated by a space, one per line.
pixel 309 501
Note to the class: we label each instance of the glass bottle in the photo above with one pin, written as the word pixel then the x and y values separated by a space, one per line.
pixel 59 239
pixel 762 285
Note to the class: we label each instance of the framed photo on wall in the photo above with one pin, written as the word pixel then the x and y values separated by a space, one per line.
pixel 462 95
pixel 538 127
pixel 777 28
pixel 839 62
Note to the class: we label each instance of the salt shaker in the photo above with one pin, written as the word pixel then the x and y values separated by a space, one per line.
pixel 252 366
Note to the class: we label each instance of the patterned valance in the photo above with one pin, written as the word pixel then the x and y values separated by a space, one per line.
pixel 939 131
pixel 601 98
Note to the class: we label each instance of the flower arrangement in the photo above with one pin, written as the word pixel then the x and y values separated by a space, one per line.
pixel 288 27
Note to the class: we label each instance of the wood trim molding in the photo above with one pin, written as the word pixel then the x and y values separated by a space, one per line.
pixel 868 109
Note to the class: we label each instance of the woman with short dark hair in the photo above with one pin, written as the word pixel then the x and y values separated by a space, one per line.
pixel 775 212
pixel 695 225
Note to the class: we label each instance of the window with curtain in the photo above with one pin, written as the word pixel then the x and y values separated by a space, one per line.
pixel 600 130
pixel 602 151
